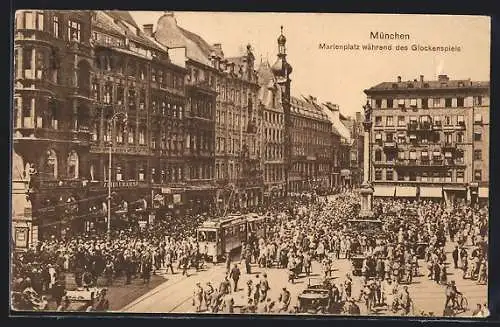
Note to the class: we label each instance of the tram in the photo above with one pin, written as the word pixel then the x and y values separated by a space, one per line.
pixel 220 236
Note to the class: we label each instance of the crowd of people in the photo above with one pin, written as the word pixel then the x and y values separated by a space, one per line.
pixel 410 243
pixel 412 237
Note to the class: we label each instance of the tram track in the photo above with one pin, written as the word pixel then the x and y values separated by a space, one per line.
pixel 166 288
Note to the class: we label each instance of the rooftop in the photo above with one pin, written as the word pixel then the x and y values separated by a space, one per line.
pixel 305 108
pixel 442 82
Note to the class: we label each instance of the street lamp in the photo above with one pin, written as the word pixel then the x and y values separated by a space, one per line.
pixel 110 150
pixel 282 70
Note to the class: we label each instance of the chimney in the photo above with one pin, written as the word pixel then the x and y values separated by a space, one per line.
pixel 148 29
pixel 399 79
pixel 443 78
pixel 421 78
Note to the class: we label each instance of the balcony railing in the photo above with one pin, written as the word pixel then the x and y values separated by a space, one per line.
pixel 61 183
pixel 390 145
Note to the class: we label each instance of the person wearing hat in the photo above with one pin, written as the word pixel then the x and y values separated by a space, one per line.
pixel 264 287
pixel 198 297
pixel 208 292
pixel 64 304
pixel 284 300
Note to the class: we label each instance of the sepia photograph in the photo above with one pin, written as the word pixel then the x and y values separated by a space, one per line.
pixel 249 163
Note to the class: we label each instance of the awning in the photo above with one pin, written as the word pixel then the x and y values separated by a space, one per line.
pixel 454 188
pixel 412 136
pixel 483 192
pixel 383 190
pixel 436 154
pixel 431 192
pixel 406 191
pixel 448 155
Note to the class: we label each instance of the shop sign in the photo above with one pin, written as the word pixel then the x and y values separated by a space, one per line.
pixel 166 190
pixel 142 224
pixel 22 237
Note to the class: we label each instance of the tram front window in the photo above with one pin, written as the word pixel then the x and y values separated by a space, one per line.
pixel 206 236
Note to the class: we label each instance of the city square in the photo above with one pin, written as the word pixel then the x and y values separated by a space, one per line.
pixel 152 173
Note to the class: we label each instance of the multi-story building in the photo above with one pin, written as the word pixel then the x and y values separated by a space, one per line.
pixel 311 146
pixel 343 144
pixel 88 82
pixel 273 129
pixel 134 75
pixel 355 161
pixel 238 131
pixel 199 120
pixel 430 139
pixel 52 105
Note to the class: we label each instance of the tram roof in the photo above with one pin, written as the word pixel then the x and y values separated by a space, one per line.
pixel 221 220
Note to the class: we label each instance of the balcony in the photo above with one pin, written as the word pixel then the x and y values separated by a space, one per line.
pixel 61 184
pixel 250 182
pixel 449 145
pixel 390 145
pixel 437 126
pixel 460 125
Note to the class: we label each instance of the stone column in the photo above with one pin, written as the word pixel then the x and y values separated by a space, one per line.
pixel 366 188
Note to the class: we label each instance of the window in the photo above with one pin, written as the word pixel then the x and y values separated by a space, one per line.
pixel 460 102
pixel 447 120
pixel 389 175
pixel 424 155
pixel 477 154
pixel 413 176
pixel 448 138
pixel 448 102
pixel 425 103
pixel 425 177
pixel 437 120
pixel 390 121
pixel 55 26
pixel 378 103
pixel 413 103
pixel 390 103
pixel 378 121
pixel 378 175
pixel 477 136
pixel 74 32
pixel 389 137
pixel 436 102
pixel 401 176
pixel 413 155
pixel 401 121
pixel 477 175
pixel 447 177
pixel 108 91
pixel 131 135
pixel 401 103
pixel 401 155
pixel 460 120
pixel 478 100
pixel 460 137
pixel 478 118
pixel 378 155
pixel 401 138
pixel 460 176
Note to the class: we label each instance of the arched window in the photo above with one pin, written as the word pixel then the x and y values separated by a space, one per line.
pixel 49 164
pixel 73 164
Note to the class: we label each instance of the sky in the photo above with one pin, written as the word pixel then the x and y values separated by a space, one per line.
pixel 340 76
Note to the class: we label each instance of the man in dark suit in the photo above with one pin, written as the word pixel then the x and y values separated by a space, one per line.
pixel 455 256
pixel 235 276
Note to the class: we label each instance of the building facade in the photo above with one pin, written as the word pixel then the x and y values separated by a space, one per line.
pixel 93 82
pixel 199 125
pixel 273 129
pixel 430 139
pixel 311 146
pixel 238 131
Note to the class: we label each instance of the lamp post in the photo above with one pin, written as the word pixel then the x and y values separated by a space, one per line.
pixel 110 150
pixel 281 71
